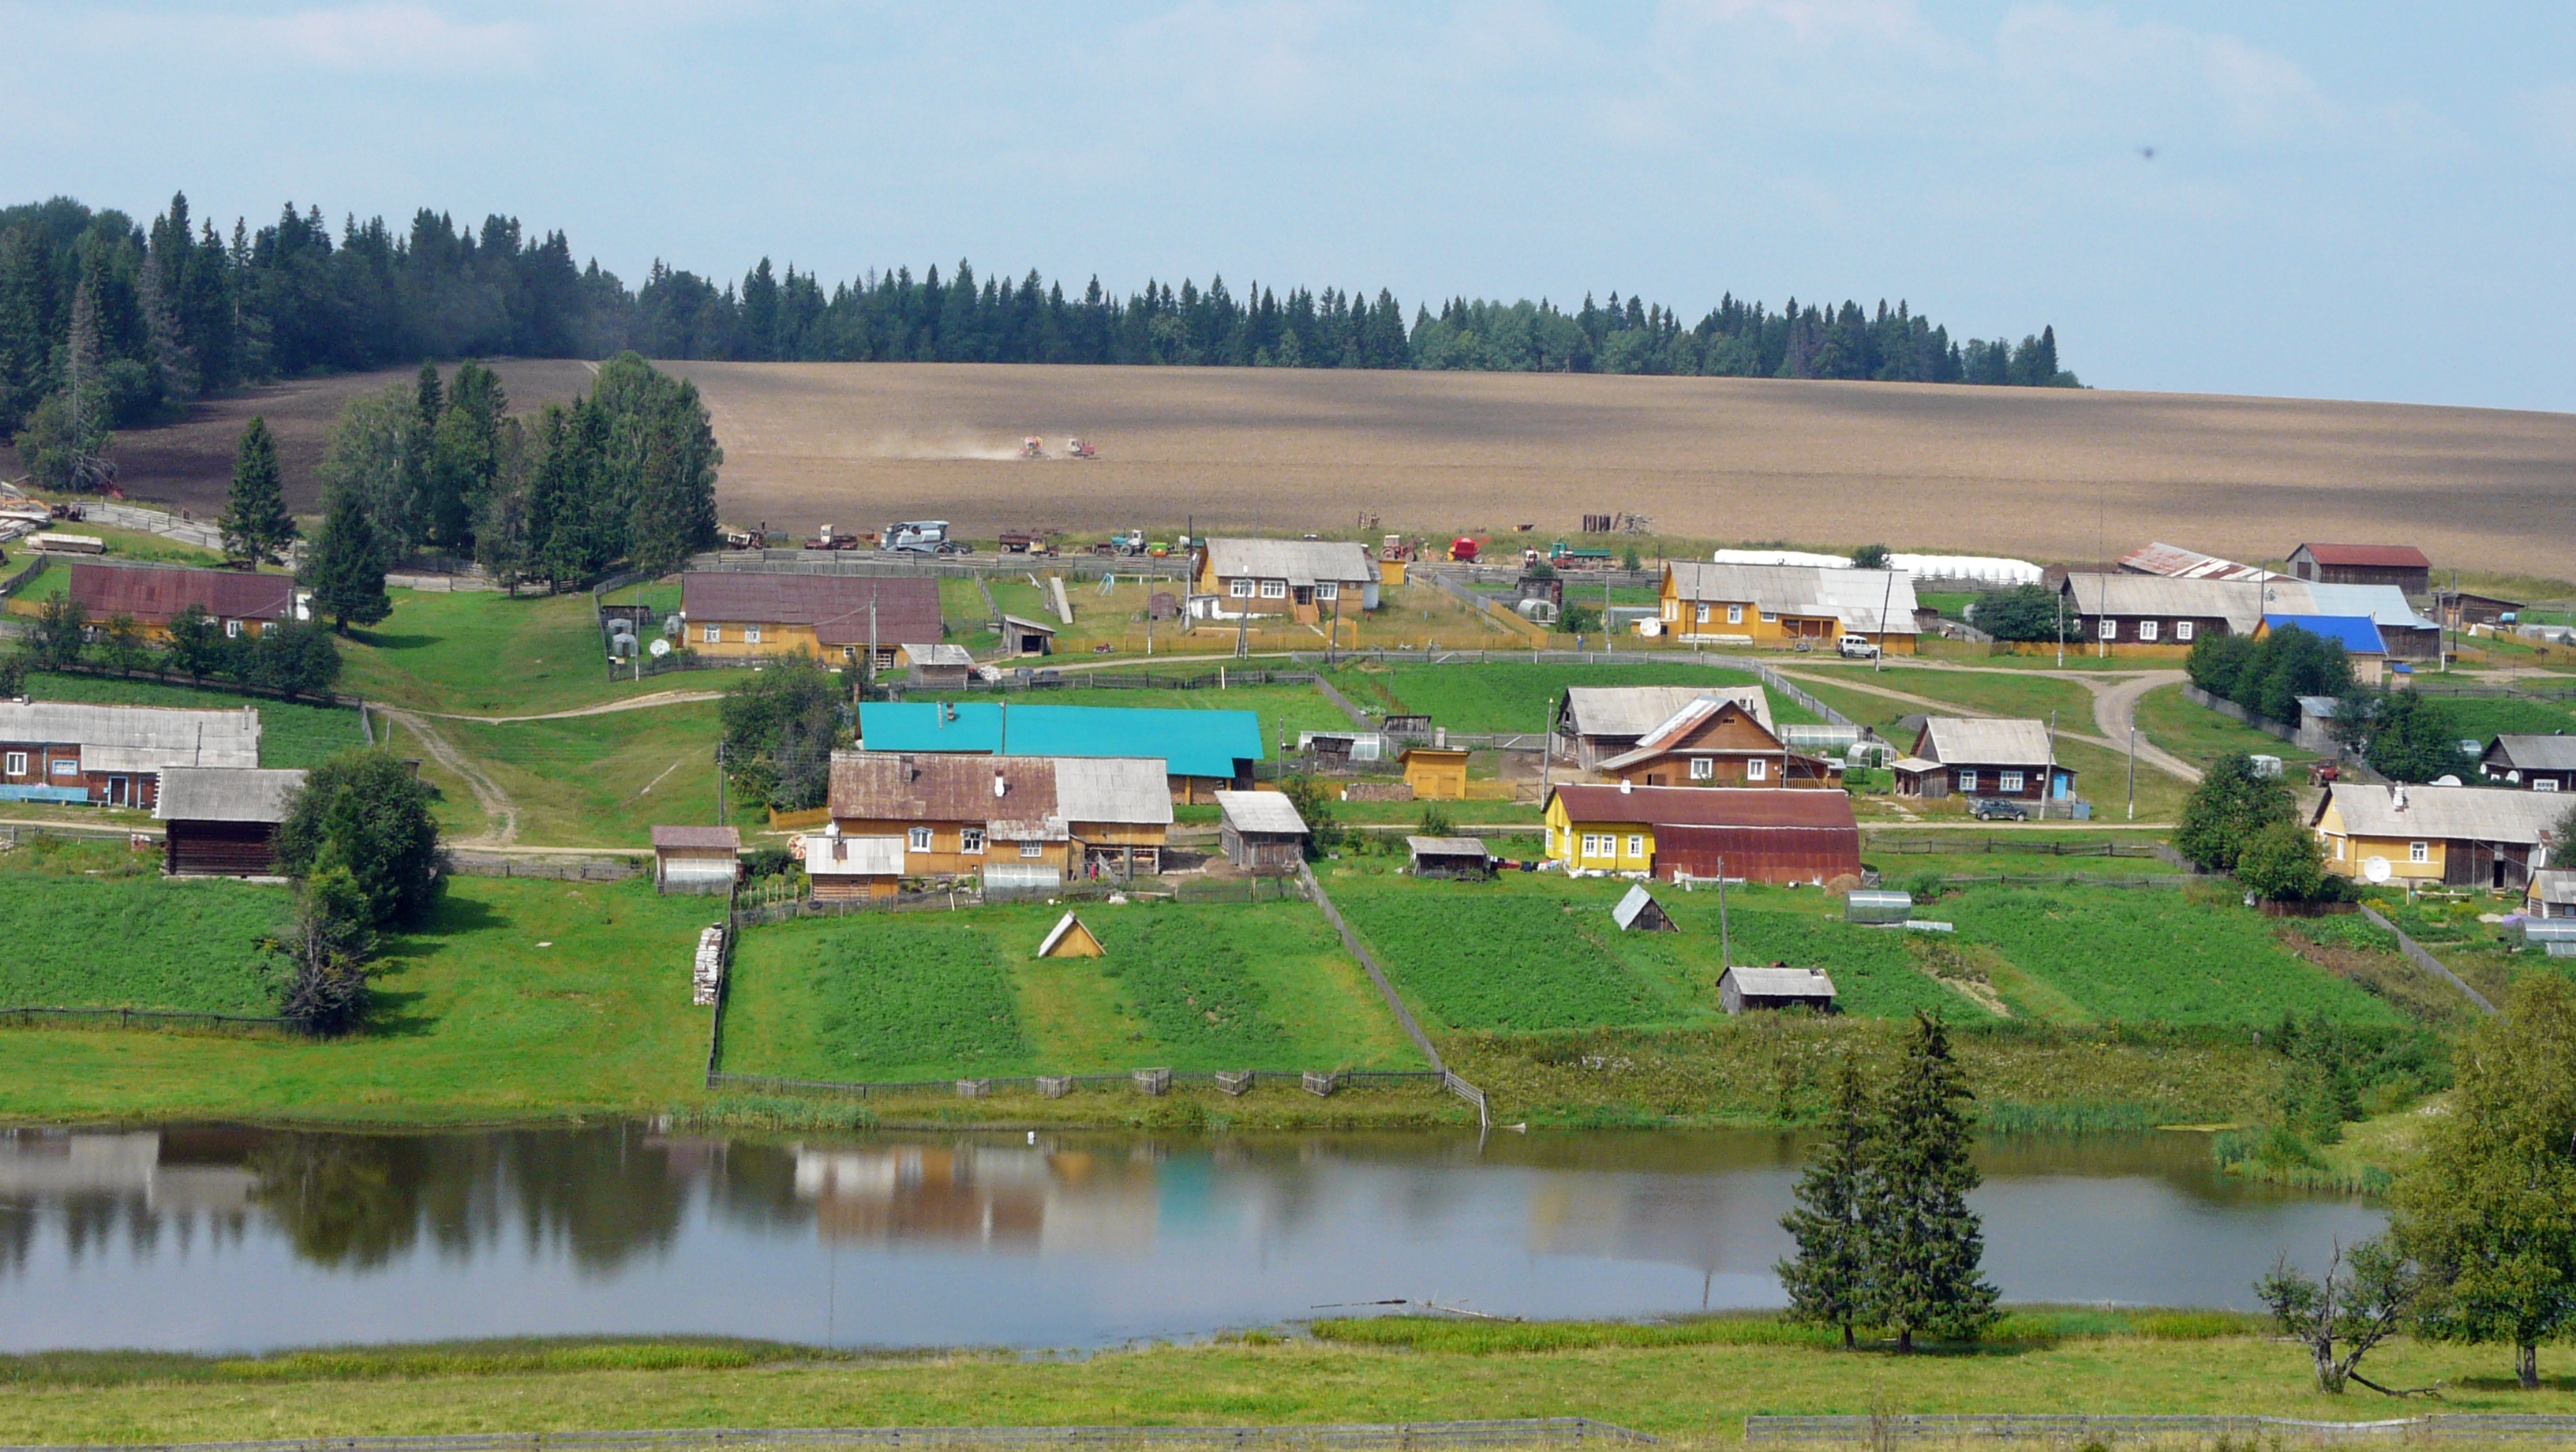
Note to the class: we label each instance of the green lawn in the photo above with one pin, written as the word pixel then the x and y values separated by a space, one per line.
pixel 2200 735
pixel 480 652
pixel 94 925
pixel 291 734
pixel 1984 692
pixel 1510 696
pixel 520 998
pixel 2483 718
pixel 914 996
pixel 597 780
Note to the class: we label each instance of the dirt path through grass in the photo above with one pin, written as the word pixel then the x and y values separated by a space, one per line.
pixel 497 808
pixel 1954 708
pixel 2115 710
pixel 632 703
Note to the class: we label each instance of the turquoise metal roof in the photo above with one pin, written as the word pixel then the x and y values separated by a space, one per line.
pixel 1191 743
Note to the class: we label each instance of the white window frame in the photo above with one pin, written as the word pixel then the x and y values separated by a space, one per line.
pixel 1328 589
pixel 2110 629
pixel 1701 618
pixel 2339 844
pixel 1967 779
pixel 918 839
pixel 2544 783
pixel 2008 781
pixel 1239 589
pixel 1274 589
pixel 1636 844
pixel 1032 849
pixel 970 840
pixel 711 635
pixel 2146 631
pixel 2419 852
pixel 1591 845
pixel 16 764
pixel 1703 768
pixel 232 630
pixel 1756 769
pixel 1672 612
pixel 1735 615
pixel 751 635
pixel 2183 631
pixel 1770 617
pixel 62 766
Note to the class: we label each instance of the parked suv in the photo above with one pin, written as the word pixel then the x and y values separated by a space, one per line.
pixel 1857 647
pixel 1993 809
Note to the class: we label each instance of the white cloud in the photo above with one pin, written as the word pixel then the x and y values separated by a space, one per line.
pixel 2091 63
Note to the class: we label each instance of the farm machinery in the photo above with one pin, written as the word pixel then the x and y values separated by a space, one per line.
pixel 1080 449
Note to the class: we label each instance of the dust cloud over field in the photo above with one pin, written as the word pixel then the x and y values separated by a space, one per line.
pixel 2058 475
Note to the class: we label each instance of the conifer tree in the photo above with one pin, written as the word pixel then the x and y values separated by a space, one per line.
pixel 1924 1243
pixel 256 527
pixel 346 568
pixel 1828 1279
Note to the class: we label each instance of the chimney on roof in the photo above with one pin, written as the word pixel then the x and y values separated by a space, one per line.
pixel 1625 785
pixel 1000 785
pixel 2397 799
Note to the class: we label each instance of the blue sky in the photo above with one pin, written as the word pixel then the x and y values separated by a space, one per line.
pixel 2347 200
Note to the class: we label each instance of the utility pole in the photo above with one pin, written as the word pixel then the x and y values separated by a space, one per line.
pixel 1878 660
pixel 2133 771
pixel 1725 937
pixel 720 766
pixel 2062 587
pixel 868 672
pixel 2049 786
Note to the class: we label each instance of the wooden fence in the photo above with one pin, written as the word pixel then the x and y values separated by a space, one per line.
pixel 2416 955
pixel 147 1017
pixel 1377 975
pixel 1903 844
pixel 1152 1082
pixel 2078 1428
pixel 1049 679
pixel 1323 1437
pixel 559 869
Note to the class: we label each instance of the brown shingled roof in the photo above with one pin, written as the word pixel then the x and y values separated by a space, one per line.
pixel 2397 557
pixel 836 606
pixel 157 593
pixel 909 787
pixel 1707 806
pixel 705 839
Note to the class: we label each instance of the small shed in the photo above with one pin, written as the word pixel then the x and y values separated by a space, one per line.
pixel 1638 912
pixel 1070 939
pixel 2461 609
pixel 1436 773
pixel 945 667
pixel 1027 637
pixel 2551 894
pixel 1450 857
pixel 1775 987
pixel 222 821
pixel 842 869
pixel 696 859
pixel 1261 831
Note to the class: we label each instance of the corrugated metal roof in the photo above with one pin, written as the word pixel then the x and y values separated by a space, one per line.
pixel 2176 563
pixel 1298 561
pixel 2554 886
pixel 856 856
pixel 1781 982
pixel 2386 557
pixel 1129 790
pixel 2240 605
pixel 836 606
pixel 225 794
pixel 924 787
pixel 1707 806
pixel 2460 813
pixel 1867 601
pixel 939 655
pixel 1637 901
pixel 2385 605
pixel 1260 812
pixel 1191 742
pixel 2536 753
pixel 1636 710
pixel 160 592
pixel 1448 847
pixel 1966 741
pixel 137 738
pixel 2354 633
pixel 701 839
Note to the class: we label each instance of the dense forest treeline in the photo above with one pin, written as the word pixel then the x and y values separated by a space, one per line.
pixel 104 321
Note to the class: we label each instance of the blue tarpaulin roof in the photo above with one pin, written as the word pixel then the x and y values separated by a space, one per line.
pixel 2355 633
pixel 1191 742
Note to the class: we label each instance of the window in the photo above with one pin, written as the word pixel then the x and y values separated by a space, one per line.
pixel 1770 617
pixel 1967 779
pixel 2008 781
pixel 65 767
pixel 17 763
pixel 1328 589
pixel 1033 849
pixel 2110 628
pixel 1703 768
pixel 1702 618
pixel 232 630
pixel 1591 845
pixel 2419 851
pixel 970 840
pixel 1274 589
pixel 1735 615
pixel 1756 769
pixel 712 634
pixel 2339 846
pixel 2182 630
pixel 1239 589
pixel 1672 612
pixel 918 839
pixel 1636 845
pixel 2544 783
pixel 751 635
pixel 2146 630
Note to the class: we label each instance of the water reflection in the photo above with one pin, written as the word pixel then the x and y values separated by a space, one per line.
pixel 226 1238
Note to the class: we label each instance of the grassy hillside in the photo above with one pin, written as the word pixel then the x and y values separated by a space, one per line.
pixel 1512 696
pixel 93 925
pixel 481 652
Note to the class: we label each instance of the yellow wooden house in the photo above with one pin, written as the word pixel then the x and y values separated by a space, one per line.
pixel 2460 836
pixel 1783 607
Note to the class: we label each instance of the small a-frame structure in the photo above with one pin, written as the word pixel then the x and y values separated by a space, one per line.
pixel 1638 912
pixel 1070 939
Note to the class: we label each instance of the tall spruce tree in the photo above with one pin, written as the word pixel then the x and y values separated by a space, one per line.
pixel 1828 1279
pixel 346 566
pixel 1924 1244
pixel 256 527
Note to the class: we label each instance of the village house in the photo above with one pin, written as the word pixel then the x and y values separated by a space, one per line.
pixel 1203 751
pixel 2465 610
pixel 240 603
pixel 1704 832
pixel 1785 606
pixel 222 821
pixel 1982 757
pixel 2403 566
pixel 53 751
pixel 1595 723
pixel 2460 836
pixel 834 618
pixel 696 859
pixel 960 814
pixel 2155 615
pixel 2536 763
pixel 2359 638
pixel 842 869
pixel 1714 743
pixel 1302 579
pixel 1260 832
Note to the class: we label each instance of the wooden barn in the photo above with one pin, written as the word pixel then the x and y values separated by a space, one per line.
pixel 1776 987
pixel 1638 912
pixel 1261 831
pixel 1450 857
pixel 2462 609
pixel 222 821
pixel 2532 762
pixel 696 859
pixel 1775 836
pixel 1436 773
pixel 940 667
pixel 1022 636
pixel 2351 564
pixel 1070 939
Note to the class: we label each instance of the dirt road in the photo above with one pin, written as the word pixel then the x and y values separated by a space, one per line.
pixel 501 815
pixel 2115 710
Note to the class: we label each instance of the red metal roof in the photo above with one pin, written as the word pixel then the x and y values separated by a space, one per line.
pixel 157 593
pixel 2386 557
pixel 1708 806
pixel 907 609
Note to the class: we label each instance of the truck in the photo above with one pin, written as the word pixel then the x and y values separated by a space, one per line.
pixel 1028 541
pixel 1130 542
pixel 917 536
pixel 830 541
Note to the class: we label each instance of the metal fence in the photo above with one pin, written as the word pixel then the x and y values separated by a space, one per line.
pixel 1517 1432
pixel 147 1017
pixel 576 869
pixel 2068 1429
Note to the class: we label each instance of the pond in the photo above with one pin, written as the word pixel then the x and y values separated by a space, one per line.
pixel 218 1238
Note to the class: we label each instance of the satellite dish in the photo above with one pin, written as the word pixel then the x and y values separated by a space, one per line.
pixel 2375 868
pixel 660 648
pixel 2446 780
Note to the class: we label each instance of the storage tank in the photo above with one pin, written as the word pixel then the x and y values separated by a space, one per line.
pixel 1876 906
